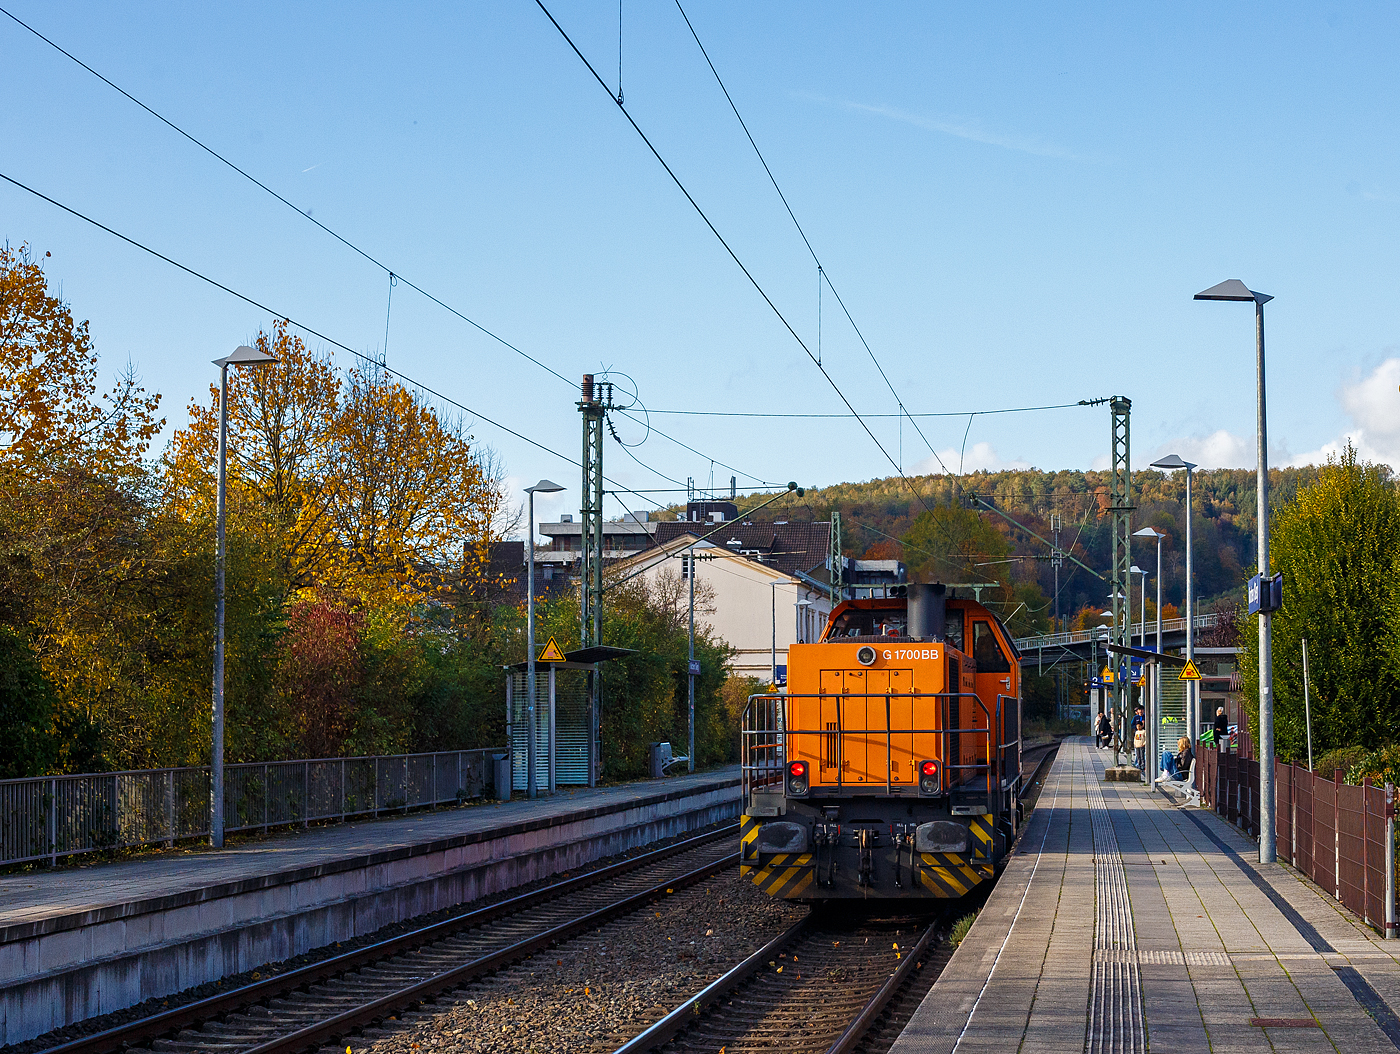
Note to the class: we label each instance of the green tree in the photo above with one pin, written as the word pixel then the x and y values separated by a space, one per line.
pixel 27 745
pixel 1337 544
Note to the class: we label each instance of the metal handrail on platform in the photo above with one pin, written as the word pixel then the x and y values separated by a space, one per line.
pixel 46 817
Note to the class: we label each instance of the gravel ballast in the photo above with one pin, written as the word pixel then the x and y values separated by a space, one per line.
pixel 597 991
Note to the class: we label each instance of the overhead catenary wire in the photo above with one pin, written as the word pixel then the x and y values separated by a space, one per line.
pixel 393 276
pixel 732 254
pixel 821 270
pixel 300 212
pixel 367 359
pixel 847 417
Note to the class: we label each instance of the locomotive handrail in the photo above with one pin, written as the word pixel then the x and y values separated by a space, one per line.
pixel 765 772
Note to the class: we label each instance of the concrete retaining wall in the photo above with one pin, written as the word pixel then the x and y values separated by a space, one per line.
pixel 65 969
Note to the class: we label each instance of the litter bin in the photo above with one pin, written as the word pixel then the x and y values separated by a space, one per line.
pixel 659 758
pixel 500 776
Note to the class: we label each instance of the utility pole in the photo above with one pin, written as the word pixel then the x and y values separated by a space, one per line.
pixel 595 400
pixel 837 590
pixel 1121 508
pixel 1056 559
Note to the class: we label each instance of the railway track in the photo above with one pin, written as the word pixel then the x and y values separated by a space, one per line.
pixel 818 987
pixel 314 1005
pixel 821 986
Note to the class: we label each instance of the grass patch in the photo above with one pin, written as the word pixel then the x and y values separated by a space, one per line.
pixel 960 928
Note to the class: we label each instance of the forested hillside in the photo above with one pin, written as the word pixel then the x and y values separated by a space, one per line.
pixel 879 515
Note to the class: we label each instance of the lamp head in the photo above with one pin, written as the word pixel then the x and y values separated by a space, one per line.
pixel 245 356
pixel 1172 461
pixel 1232 289
pixel 544 486
pixel 1149 532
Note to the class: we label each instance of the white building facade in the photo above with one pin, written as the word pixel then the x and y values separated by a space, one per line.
pixel 755 608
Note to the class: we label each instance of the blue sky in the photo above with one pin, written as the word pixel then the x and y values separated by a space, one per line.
pixel 1016 202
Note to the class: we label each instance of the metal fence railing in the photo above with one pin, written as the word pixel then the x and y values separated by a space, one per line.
pixel 51 816
pixel 1025 645
pixel 1332 832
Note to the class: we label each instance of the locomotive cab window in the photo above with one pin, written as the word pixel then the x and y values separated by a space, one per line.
pixel 987 651
pixel 859 623
pixel 953 628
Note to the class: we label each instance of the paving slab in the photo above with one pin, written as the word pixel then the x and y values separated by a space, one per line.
pixel 1221 953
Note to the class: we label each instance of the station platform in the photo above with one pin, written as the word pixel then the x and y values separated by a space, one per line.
pixel 1122 923
pixel 81 941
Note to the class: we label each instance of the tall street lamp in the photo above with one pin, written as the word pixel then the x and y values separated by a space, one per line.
pixel 1236 290
pixel 1170 462
pixel 242 356
pixel 544 486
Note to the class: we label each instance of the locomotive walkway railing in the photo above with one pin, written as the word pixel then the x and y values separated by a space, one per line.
pixel 767 738
pixel 48 817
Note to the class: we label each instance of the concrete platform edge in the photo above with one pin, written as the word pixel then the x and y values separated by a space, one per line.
pixel 55 979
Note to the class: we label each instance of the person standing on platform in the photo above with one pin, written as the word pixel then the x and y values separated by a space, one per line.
pixel 1222 728
pixel 1139 729
pixel 1103 734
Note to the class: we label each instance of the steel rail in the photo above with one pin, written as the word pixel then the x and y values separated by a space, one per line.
pixel 684 1015
pixel 861 1025
pixel 678 1019
pixel 192 1014
pixel 313 1036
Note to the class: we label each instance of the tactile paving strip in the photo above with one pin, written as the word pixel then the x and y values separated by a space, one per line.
pixel 1166 958
pixel 1115 995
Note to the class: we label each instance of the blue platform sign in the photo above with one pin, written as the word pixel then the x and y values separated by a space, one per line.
pixel 1265 594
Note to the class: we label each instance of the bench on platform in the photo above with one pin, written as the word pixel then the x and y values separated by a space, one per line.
pixel 1185 787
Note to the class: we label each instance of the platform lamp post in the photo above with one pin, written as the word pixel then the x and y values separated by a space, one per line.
pixel 1193 718
pixel 1156 707
pixel 544 486
pixel 1236 290
pixel 242 356
pixel 1122 692
pixel 1142 623
pixel 1142 602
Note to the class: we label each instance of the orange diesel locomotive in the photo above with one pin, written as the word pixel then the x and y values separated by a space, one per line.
pixel 891 767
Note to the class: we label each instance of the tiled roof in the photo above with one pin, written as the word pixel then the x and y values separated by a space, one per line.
pixel 788 547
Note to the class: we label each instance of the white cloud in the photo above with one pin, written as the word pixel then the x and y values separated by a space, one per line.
pixel 959 127
pixel 1220 449
pixel 979 456
pixel 1372 404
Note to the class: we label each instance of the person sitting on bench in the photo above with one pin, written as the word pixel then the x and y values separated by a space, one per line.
pixel 1176 766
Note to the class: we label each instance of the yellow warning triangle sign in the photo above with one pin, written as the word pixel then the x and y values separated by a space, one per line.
pixel 1189 672
pixel 552 652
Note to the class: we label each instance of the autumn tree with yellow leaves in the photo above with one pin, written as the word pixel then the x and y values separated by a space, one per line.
pixel 352 504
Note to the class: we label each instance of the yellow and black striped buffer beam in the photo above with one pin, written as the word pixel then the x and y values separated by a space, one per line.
pixel 780 875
